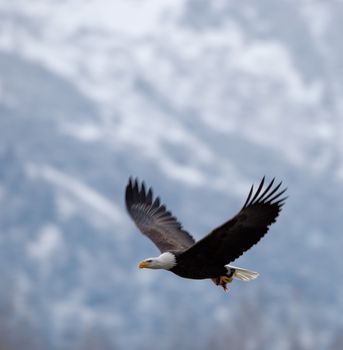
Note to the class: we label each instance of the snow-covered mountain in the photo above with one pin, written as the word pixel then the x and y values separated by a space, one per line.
pixel 200 99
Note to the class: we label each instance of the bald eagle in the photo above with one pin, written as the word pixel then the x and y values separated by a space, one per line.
pixel 210 256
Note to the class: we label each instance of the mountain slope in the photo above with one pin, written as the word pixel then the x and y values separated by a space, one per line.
pixel 214 99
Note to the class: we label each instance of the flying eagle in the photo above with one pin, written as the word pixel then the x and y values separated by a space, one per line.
pixel 210 256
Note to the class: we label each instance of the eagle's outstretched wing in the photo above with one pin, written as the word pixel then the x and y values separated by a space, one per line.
pixel 154 220
pixel 230 240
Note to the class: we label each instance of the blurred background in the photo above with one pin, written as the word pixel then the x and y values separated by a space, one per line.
pixel 200 99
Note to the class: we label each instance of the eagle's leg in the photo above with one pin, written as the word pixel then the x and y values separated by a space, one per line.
pixel 223 281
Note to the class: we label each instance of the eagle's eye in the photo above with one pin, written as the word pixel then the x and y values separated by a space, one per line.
pixel 148 261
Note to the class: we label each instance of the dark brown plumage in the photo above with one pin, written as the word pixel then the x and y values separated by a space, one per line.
pixel 154 220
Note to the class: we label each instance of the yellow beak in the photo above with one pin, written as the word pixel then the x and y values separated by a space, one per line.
pixel 142 265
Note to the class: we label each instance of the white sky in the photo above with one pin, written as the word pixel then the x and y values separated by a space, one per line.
pixel 136 17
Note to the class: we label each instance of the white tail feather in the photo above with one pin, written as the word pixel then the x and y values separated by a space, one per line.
pixel 242 274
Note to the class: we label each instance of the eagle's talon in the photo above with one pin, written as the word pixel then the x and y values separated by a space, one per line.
pixel 223 281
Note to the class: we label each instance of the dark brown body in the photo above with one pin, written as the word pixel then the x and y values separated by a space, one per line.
pixel 203 271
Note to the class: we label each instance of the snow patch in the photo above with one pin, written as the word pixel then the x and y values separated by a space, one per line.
pixel 85 132
pixel 78 189
pixel 48 242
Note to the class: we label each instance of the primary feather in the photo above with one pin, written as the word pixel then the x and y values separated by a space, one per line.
pixel 154 220
pixel 230 240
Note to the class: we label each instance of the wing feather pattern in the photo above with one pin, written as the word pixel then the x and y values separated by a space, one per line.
pixel 154 220
pixel 230 240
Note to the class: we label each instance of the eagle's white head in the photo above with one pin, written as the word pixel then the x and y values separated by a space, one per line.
pixel 165 261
